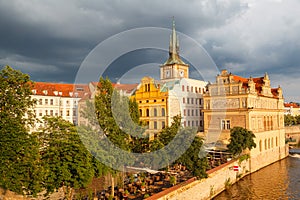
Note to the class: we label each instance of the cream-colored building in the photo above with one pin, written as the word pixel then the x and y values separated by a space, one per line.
pixel 250 103
pixel 291 109
pixel 57 99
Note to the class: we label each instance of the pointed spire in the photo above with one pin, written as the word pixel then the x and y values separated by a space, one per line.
pixel 266 76
pixel 174 47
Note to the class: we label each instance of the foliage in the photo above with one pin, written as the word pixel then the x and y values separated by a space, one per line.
pixel 290 120
pixel 243 157
pixel 240 139
pixel 20 169
pixel 65 159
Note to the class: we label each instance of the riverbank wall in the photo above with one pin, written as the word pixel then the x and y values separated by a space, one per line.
pixel 222 177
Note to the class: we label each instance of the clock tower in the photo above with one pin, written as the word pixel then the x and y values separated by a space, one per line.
pixel 174 67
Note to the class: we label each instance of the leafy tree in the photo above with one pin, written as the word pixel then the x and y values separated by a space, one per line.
pixel 20 169
pixel 240 139
pixel 290 120
pixel 192 160
pixel 65 159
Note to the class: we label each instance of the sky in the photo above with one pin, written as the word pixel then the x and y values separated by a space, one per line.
pixel 51 40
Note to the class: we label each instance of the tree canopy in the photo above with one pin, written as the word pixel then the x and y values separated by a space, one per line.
pixel 20 169
pixel 240 139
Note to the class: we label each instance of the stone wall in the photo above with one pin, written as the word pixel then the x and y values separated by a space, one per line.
pixel 221 177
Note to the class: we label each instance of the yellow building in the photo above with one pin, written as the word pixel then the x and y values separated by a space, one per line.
pixel 250 103
pixel 152 103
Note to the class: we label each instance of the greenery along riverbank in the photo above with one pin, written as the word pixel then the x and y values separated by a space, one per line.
pixel 54 157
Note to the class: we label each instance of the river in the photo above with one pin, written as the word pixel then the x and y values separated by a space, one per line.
pixel 280 180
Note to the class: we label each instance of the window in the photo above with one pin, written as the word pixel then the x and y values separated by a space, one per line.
pixel 200 101
pixel 225 124
pixel 183 88
pixel 189 124
pixel 184 112
pixel 163 125
pixel 184 123
pixel 155 125
pixel 68 113
pixel 201 123
pixel 67 102
pixel 163 112
pixel 46 101
pixel 147 112
pixel 187 88
pixel 46 112
pixel 265 144
pixel 51 101
pixel 41 101
pixel 183 100
pixel 260 147
pixel 192 89
pixel 155 112
pixel 141 112
pixel 51 112
pixel 40 113
pixel 192 123
pixel 188 100
pixel 192 100
pixel 74 112
pixel 196 112
pixel 154 100
pixel 192 112
pixel 61 113
pixel 228 124
pixel 188 112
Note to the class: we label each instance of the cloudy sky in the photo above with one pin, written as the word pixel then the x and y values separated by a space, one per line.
pixel 50 39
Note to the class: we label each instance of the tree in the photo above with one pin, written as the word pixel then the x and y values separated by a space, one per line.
pixel 290 120
pixel 66 161
pixel 20 169
pixel 240 139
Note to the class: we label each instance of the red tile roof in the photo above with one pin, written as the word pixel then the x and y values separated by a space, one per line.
pixel 259 82
pixel 61 89
pixel 294 105
pixel 125 87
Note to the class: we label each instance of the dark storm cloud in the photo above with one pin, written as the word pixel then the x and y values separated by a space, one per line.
pixel 49 39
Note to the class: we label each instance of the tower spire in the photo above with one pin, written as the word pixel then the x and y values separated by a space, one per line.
pixel 174 46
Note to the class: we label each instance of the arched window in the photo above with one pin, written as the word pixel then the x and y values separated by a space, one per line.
pixel 266 144
pixel 269 143
pixel 163 112
pixel 141 112
pixel 155 112
pixel 260 146
pixel 147 112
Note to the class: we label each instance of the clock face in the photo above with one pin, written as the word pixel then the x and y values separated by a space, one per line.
pixel 167 73
pixel 181 73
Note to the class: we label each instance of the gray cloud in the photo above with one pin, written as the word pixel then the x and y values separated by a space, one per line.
pixel 49 39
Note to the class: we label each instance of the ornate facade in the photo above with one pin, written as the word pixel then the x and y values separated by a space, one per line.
pixel 250 103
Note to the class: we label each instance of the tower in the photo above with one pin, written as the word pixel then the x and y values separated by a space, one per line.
pixel 174 67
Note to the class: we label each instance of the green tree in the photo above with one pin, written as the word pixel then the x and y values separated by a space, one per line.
pixel 289 120
pixel 66 161
pixel 20 169
pixel 240 139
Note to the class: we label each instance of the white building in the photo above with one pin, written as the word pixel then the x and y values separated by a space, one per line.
pixel 56 99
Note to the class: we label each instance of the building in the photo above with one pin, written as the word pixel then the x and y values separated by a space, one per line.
pixel 291 109
pixel 57 99
pixel 174 94
pixel 153 104
pixel 124 89
pixel 250 103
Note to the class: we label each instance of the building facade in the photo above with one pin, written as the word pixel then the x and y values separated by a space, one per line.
pixel 175 93
pixel 56 99
pixel 250 103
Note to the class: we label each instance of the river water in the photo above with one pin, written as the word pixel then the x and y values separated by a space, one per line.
pixel 280 180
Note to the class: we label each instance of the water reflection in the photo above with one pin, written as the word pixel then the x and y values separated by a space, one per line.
pixel 280 180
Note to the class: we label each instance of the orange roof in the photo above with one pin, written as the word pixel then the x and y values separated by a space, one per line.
pixel 294 105
pixel 125 87
pixel 259 82
pixel 61 89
